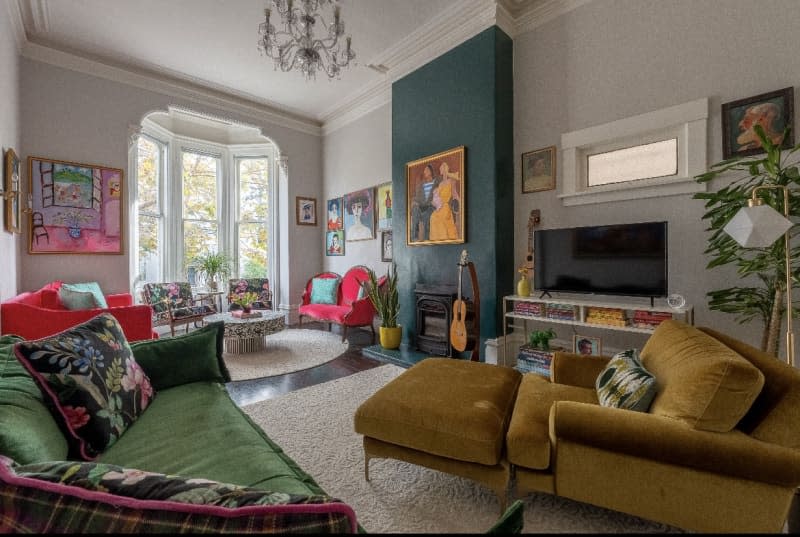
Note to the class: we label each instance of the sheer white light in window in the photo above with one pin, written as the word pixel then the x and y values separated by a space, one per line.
pixel 253 225
pixel 150 215
pixel 658 159
pixel 200 225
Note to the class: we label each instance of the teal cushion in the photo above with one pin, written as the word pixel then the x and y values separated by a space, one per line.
pixel 192 357
pixel 28 432
pixel 324 290
pixel 88 287
pixel 625 383
pixel 91 381
pixel 77 300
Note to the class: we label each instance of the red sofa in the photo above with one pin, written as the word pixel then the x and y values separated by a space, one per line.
pixel 349 310
pixel 38 314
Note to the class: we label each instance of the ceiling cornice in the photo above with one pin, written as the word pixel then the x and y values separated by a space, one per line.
pixel 17 24
pixel 183 87
pixel 543 12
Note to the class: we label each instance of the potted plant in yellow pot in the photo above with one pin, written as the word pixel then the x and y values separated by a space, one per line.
pixel 386 300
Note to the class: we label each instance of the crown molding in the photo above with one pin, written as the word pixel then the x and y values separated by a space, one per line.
pixel 17 23
pixel 544 12
pixel 374 97
pixel 202 93
pixel 40 16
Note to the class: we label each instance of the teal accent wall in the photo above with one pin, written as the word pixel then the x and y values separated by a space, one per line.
pixel 464 97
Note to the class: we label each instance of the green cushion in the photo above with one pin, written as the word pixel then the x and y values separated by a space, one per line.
pixel 625 383
pixel 76 300
pixel 192 357
pixel 324 290
pixel 88 287
pixel 197 430
pixel 28 432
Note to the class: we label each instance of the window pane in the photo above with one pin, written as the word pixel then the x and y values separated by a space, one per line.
pixel 199 186
pixel 253 250
pixel 149 254
pixel 254 189
pixel 198 238
pixel 148 167
pixel 658 159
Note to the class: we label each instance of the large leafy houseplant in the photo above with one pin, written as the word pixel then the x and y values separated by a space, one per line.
pixel 385 298
pixel 765 267
pixel 213 264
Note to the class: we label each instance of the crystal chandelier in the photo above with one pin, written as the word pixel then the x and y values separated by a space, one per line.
pixel 297 46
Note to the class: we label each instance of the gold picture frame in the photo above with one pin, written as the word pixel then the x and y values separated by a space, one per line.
pixel 306 211
pixel 13 193
pixel 539 170
pixel 581 344
pixel 436 213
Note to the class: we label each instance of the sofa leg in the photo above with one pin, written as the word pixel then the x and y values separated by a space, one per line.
pixel 366 467
pixel 299 320
pixel 344 332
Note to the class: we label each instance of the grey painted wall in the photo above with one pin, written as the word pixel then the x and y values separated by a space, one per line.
pixel 609 60
pixel 9 138
pixel 356 156
pixel 78 117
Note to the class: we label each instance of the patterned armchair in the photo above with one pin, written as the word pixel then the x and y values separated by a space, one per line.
pixel 173 304
pixel 260 286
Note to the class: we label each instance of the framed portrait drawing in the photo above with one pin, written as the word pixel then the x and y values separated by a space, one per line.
pixel 539 170
pixel 588 345
pixel 386 246
pixel 13 198
pixel 334 242
pixel 436 202
pixel 76 208
pixel 335 220
pixel 383 200
pixel 306 211
pixel 774 111
pixel 359 215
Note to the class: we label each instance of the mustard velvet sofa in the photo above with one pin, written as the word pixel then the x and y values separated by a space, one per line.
pixel 718 450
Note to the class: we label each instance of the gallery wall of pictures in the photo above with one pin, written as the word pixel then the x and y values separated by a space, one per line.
pixel 359 216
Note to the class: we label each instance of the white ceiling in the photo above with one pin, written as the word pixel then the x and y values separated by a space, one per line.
pixel 213 42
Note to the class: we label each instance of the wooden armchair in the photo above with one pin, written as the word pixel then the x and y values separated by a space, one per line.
pixel 173 304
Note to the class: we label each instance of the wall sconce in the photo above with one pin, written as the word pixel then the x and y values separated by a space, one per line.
pixel 758 226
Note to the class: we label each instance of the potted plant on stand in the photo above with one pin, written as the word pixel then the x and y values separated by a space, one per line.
pixel 212 265
pixel 386 300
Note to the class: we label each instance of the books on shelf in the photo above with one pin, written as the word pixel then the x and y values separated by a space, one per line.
pixel 530 360
pixel 649 319
pixel 606 316
pixel 530 308
pixel 240 314
pixel 563 312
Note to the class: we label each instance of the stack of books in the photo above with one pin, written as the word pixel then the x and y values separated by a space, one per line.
pixel 606 316
pixel 563 312
pixel 649 319
pixel 240 314
pixel 530 308
pixel 530 360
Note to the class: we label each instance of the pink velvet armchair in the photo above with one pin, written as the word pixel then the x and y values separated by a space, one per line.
pixel 353 307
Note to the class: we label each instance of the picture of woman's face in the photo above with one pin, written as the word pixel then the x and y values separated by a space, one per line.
pixel 357 209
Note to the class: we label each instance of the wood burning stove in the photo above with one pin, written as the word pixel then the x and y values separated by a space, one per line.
pixel 434 308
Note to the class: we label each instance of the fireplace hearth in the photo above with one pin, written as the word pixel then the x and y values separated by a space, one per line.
pixel 434 313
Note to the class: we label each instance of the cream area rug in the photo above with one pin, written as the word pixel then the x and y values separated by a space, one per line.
pixel 314 426
pixel 284 352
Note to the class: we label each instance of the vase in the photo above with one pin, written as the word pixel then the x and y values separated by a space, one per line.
pixel 74 232
pixel 523 287
pixel 247 309
pixel 390 337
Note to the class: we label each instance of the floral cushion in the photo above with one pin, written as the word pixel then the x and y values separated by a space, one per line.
pixel 260 286
pixel 103 498
pixel 90 380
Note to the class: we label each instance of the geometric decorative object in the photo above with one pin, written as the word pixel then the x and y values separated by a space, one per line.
pixel 757 227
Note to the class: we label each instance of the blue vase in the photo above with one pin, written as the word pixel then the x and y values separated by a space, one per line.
pixel 74 232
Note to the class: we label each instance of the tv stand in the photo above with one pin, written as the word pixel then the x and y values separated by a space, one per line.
pixel 624 316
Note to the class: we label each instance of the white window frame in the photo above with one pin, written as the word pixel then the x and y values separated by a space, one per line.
pixel 163 159
pixel 687 122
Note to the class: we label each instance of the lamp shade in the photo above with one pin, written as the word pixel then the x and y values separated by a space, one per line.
pixel 757 227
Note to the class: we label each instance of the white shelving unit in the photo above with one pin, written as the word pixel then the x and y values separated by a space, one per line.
pixel 580 307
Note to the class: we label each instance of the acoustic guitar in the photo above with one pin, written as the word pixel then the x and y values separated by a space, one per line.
pixel 458 328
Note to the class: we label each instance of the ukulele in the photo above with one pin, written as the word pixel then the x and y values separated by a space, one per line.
pixel 533 221
pixel 458 328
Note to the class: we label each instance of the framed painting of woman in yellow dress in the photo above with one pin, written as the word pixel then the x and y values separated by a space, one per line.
pixel 435 198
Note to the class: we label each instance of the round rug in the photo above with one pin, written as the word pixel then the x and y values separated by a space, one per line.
pixel 284 352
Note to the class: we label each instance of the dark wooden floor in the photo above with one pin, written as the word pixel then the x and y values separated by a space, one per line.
pixel 245 392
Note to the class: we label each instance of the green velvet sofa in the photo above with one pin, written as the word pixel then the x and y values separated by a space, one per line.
pixel 192 428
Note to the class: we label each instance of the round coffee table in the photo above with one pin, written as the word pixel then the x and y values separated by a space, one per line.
pixel 247 334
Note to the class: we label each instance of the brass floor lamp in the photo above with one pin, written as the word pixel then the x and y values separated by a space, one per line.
pixel 758 226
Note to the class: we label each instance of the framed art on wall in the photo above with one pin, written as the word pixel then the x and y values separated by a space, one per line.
pixel 386 246
pixel 306 211
pixel 359 215
pixel 13 196
pixel 436 198
pixel 586 345
pixel 334 242
pixel 539 170
pixel 774 111
pixel 383 199
pixel 335 220
pixel 76 208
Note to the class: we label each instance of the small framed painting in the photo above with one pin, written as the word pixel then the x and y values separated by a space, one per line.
pixel 774 111
pixel 13 194
pixel 359 215
pixel 539 170
pixel 335 220
pixel 334 242
pixel 386 246
pixel 306 209
pixel 384 202
pixel 588 345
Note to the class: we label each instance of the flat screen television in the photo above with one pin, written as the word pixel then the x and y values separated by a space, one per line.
pixel 621 259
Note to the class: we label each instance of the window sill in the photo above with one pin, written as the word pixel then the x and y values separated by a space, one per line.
pixel 675 187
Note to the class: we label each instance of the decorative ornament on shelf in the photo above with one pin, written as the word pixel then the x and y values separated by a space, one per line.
pixel 523 285
pixel 298 46
pixel 676 301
